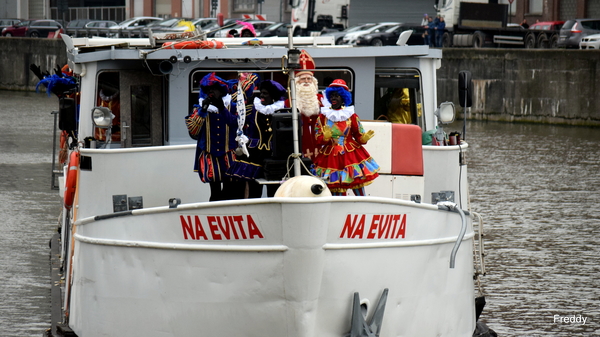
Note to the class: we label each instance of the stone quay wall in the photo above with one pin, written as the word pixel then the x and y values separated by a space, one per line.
pixel 16 54
pixel 514 85
pixel 551 86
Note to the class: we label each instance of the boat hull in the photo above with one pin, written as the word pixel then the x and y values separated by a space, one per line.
pixel 272 267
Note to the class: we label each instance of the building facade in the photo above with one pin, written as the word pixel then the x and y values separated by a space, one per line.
pixel 360 11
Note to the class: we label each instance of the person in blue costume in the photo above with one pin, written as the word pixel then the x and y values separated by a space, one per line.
pixel 214 126
pixel 259 132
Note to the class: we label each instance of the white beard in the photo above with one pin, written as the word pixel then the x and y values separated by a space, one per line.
pixel 306 100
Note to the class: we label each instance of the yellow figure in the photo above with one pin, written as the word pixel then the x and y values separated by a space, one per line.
pixel 190 26
pixel 398 106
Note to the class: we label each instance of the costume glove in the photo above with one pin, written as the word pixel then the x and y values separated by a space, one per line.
pixel 36 70
pixel 366 136
pixel 327 134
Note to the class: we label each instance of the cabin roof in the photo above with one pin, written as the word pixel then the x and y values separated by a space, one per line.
pixel 85 50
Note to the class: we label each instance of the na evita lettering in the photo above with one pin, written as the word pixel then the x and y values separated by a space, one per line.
pixel 374 226
pixel 220 227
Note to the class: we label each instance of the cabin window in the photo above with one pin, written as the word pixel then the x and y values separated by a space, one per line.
pixel 323 76
pixel 398 96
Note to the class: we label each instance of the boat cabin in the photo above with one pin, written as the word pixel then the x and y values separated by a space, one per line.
pixel 150 90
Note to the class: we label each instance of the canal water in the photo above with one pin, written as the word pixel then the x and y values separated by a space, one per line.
pixel 537 187
pixel 29 211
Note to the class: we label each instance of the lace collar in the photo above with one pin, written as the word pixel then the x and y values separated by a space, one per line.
pixel 268 109
pixel 339 115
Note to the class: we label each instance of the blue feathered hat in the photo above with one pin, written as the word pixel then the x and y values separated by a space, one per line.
pixel 341 88
pixel 276 90
pixel 211 80
pixel 54 80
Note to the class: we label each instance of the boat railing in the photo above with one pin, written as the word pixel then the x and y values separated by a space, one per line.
pixel 55 171
pixel 478 250
pixel 452 207
pixel 153 42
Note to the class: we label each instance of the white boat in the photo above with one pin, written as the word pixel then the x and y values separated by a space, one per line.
pixel 144 253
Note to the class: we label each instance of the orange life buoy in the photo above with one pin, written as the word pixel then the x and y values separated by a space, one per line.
pixel 196 44
pixel 71 183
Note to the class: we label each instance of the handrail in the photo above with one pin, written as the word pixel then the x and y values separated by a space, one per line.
pixel 55 173
pixel 463 229
pixel 481 245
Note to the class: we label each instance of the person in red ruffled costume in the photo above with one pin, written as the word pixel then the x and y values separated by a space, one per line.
pixel 342 162
pixel 308 103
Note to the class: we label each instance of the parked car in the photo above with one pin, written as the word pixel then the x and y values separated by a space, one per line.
pixel 258 25
pixel 99 28
pixel 8 23
pixel 75 28
pixel 204 23
pixel 276 29
pixel 547 25
pixel 338 36
pixel 390 36
pixel 133 27
pixel 573 31
pixel 168 25
pixel 33 28
pixel 350 38
pixel 214 27
pixel 590 42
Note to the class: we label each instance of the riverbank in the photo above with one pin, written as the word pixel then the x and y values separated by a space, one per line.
pixel 551 86
pixel 16 54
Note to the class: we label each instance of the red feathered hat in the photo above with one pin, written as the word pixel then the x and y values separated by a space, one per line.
pixel 339 83
pixel 307 64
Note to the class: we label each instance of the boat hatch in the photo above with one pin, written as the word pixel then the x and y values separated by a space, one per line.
pixel 135 98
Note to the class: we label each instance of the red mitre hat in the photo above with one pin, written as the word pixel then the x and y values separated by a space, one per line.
pixel 339 83
pixel 307 64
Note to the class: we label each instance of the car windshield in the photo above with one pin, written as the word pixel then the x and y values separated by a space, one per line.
pixel 568 25
pixel 357 28
pixel 127 22
pixel 204 22
pixel 23 23
pixel 274 26
pixel 392 29
pixel 166 23
pixel 376 28
pixel 215 25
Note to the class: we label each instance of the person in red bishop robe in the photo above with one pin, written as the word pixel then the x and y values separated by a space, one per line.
pixel 308 103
